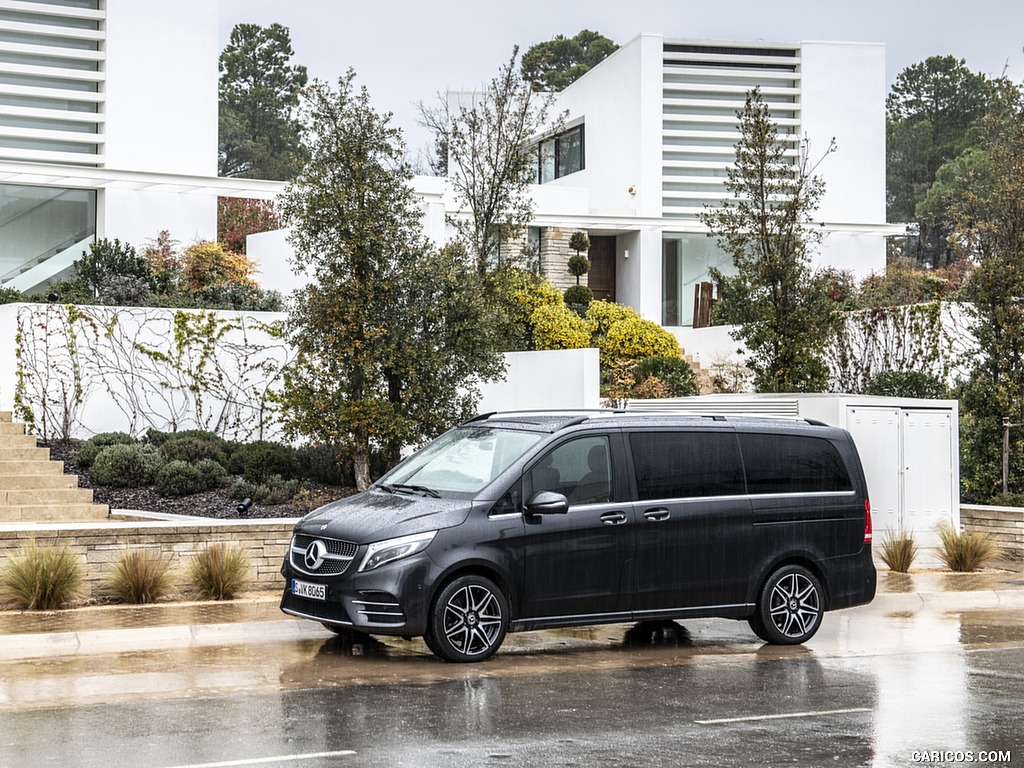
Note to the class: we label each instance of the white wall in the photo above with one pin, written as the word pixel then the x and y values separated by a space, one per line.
pixel 619 101
pixel 161 86
pixel 568 378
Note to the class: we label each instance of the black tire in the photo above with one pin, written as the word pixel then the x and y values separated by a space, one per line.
pixel 468 620
pixel 789 608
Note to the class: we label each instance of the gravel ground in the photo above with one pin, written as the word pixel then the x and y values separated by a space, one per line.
pixel 217 504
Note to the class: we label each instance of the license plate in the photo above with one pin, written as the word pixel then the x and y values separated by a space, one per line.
pixel 310 591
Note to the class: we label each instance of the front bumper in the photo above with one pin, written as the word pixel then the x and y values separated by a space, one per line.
pixel 391 600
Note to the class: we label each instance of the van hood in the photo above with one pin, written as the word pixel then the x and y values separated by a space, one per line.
pixel 375 515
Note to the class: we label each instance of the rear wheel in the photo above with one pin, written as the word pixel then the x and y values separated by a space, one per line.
pixel 790 607
pixel 468 620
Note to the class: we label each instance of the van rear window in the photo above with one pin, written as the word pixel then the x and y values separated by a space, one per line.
pixel 679 465
pixel 792 464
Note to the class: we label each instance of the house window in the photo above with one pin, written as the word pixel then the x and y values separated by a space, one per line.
pixel 560 155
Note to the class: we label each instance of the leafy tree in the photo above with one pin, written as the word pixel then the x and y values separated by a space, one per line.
pixel 556 63
pixel 392 336
pixel 783 310
pixel 930 112
pixel 259 93
pixel 239 217
pixel 106 259
pixel 989 227
pixel 490 171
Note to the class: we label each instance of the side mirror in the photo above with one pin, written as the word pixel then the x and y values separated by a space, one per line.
pixel 547 503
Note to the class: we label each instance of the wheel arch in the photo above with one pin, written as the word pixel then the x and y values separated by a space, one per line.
pixel 804 560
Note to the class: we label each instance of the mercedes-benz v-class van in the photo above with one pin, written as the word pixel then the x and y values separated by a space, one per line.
pixel 522 521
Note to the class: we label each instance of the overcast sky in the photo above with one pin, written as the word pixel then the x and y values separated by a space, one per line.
pixel 405 51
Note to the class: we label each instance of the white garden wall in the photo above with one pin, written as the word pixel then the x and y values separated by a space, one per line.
pixel 83 370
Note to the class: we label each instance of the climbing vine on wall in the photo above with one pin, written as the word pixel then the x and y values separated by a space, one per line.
pixel 167 369
pixel 928 338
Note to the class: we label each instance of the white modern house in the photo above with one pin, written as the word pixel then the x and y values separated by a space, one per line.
pixel 108 128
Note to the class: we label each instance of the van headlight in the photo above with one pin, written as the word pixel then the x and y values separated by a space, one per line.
pixel 387 551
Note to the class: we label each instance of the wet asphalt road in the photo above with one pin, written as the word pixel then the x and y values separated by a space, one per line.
pixel 891 684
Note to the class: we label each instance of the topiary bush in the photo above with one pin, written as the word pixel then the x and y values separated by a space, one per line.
pixel 182 478
pixel 126 466
pixel 578 298
pixel 90 448
pixel 42 578
pixel 674 373
pixel 259 460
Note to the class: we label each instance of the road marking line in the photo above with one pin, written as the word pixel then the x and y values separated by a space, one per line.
pixel 755 718
pixel 265 760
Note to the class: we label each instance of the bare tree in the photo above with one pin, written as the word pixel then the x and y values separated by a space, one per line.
pixel 490 168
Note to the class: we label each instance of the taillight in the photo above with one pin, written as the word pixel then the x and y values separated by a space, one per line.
pixel 867 521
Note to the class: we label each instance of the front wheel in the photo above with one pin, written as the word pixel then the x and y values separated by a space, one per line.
pixel 468 620
pixel 790 607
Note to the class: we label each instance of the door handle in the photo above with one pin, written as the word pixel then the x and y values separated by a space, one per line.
pixel 656 515
pixel 613 518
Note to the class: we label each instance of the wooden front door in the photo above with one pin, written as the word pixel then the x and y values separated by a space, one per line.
pixel 601 278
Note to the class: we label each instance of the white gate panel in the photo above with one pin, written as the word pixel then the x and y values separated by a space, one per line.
pixel 876 432
pixel 927 468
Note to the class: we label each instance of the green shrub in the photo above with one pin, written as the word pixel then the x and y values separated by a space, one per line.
pixel 274 490
pixel 141 576
pixel 259 460
pixel 965 550
pixel 183 478
pixel 11 296
pixel 326 463
pixel 126 466
pixel 907 384
pixel 107 258
pixel 674 373
pixel 219 572
pixel 42 578
pixel 578 265
pixel 899 550
pixel 71 291
pixel 90 448
pixel 195 447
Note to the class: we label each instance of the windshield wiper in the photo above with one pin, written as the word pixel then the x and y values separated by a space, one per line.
pixel 388 488
pixel 416 488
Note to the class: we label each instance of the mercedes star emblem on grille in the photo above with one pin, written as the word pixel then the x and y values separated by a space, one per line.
pixel 315 553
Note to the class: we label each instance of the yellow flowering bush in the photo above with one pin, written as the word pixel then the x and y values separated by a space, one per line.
pixel 555 326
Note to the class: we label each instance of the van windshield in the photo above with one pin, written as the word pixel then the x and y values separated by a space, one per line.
pixel 463 460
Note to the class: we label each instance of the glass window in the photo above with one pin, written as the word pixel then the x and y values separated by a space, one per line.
pixel 687 260
pixel 792 464
pixel 463 460
pixel 570 151
pixel 681 465
pixel 579 469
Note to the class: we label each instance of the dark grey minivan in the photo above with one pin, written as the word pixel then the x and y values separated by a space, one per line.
pixel 520 521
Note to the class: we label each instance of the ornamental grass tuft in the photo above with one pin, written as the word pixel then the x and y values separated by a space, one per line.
pixel 42 578
pixel 965 550
pixel 899 550
pixel 141 576
pixel 219 572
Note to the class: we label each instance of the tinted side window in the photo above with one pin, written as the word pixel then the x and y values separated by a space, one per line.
pixel 579 469
pixel 792 464
pixel 673 465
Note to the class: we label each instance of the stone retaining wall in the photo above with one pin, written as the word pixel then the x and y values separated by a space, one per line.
pixel 1004 524
pixel 99 545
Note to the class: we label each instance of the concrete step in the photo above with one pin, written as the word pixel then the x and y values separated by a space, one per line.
pixel 17 441
pixel 38 482
pixel 10 428
pixel 6 416
pixel 48 513
pixel 10 467
pixel 26 453
pixel 45 496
